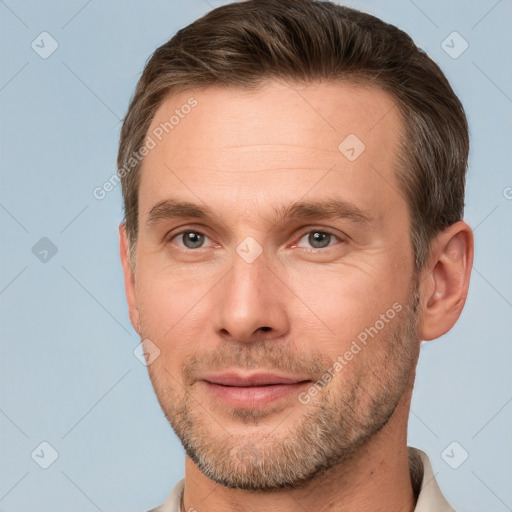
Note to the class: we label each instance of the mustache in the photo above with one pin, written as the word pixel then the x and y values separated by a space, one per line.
pixel 268 356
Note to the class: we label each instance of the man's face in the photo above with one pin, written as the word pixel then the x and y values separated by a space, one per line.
pixel 258 289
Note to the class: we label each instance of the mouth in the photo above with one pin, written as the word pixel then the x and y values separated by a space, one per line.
pixel 252 391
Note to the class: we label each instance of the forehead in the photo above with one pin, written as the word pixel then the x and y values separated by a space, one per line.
pixel 274 109
pixel 275 141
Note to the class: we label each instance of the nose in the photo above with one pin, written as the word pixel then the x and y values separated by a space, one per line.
pixel 251 302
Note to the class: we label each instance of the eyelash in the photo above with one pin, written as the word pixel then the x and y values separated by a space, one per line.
pixel 323 231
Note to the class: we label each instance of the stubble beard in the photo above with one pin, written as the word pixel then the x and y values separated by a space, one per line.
pixel 333 427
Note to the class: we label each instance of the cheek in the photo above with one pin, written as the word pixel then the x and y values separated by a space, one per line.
pixel 171 309
pixel 342 302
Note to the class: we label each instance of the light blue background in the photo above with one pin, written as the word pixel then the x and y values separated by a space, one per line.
pixel 69 376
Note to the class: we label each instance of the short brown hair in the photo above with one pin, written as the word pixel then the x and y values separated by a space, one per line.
pixel 245 44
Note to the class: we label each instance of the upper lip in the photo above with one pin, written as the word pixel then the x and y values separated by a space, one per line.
pixel 253 379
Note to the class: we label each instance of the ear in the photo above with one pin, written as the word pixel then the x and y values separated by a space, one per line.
pixel 129 278
pixel 445 280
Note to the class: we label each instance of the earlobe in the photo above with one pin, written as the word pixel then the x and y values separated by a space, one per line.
pixel 446 286
pixel 129 278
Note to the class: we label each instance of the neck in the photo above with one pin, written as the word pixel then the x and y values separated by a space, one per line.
pixel 376 478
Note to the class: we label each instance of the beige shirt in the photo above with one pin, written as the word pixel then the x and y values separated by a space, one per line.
pixel 430 498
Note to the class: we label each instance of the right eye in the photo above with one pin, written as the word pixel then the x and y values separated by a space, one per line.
pixel 190 239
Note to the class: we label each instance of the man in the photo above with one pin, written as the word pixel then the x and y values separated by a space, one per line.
pixel 293 178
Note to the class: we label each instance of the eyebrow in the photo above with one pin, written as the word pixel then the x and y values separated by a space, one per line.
pixel 169 209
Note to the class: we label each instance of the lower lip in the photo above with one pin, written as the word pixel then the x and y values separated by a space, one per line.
pixel 254 396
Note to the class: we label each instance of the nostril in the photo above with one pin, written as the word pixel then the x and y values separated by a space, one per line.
pixel 265 329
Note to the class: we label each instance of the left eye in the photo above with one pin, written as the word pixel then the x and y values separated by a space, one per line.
pixel 319 239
